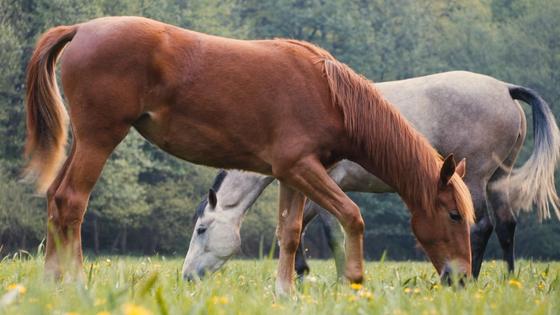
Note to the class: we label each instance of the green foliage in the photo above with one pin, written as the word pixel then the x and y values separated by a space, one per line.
pixel 21 215
pixel 145 198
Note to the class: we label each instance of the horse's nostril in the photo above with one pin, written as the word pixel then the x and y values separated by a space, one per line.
pixel 194 276
pixel 446 279
pixel 449 277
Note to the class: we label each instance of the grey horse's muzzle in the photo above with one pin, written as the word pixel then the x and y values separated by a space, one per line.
pixel 193 276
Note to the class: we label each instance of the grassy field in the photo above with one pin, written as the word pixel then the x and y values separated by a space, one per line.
pixel 153 285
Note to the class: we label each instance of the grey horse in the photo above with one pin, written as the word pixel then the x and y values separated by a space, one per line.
pixel 493 128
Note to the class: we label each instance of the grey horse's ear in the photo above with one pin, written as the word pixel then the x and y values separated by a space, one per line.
pixel 461 168
pixel 447 170
pixel 212 198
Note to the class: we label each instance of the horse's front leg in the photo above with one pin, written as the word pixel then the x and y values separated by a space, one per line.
pixel 290 216
pixel 310 177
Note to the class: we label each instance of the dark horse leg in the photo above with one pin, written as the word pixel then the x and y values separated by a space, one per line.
pixel 482 229
pixel 335 239
pixel 505 226
pixel 499 200
pixel 309 214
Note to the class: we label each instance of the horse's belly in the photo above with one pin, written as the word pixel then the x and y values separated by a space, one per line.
pixel 192 142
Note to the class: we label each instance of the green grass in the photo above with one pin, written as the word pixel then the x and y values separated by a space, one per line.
pixel 126 285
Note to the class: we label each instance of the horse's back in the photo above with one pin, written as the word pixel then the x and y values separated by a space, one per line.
pixel 462 112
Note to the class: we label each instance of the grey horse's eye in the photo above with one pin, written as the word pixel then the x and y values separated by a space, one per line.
pixel 455 216
pixel 201 230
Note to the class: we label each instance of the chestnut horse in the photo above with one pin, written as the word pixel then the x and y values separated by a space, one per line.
pixel 280 107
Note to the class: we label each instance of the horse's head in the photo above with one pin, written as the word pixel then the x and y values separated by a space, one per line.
pixel 443 231
pixel 218 220
pixel 214 240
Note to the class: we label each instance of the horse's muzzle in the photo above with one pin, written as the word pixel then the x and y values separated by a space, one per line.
pixel 451 276
pixel 198 275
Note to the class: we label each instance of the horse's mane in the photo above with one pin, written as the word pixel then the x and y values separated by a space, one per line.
pixel 401 156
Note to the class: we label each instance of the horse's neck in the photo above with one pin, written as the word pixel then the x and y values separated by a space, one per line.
pixel 240 190
pixel 405 161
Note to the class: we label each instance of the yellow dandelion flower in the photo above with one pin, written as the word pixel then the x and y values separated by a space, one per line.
pixel 515 283
pixel 416 290
pixel 436 287
pixel 407 290
pixel 356 286
pixel 541 286
pixel 103 313
pixel 20 288
pixel 131 309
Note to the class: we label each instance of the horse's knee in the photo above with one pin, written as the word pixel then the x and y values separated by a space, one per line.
pixel 290 244
pixel 353 222
pixel 68 208
pixel 483 227
pixel 289 238
pixel 505 232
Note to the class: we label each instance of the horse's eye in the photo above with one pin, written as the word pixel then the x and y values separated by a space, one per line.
pixel 201 230
pixel 455 216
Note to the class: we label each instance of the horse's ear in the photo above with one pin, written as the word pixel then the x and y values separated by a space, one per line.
pixel 447 170
pixel 461 168
pixel 212 198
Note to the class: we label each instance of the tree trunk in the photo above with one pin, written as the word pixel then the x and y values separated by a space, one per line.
pixel 116 242
pixel 123 240
pixel 95 236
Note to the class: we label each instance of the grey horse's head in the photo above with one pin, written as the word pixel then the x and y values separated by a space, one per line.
pixel 216 238
pixel 216 234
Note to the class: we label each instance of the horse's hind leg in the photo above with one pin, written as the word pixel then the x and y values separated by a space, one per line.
pixel 309 214
pixel 482 229
pixel 499 200
pixel 309 176
pixel 68 195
